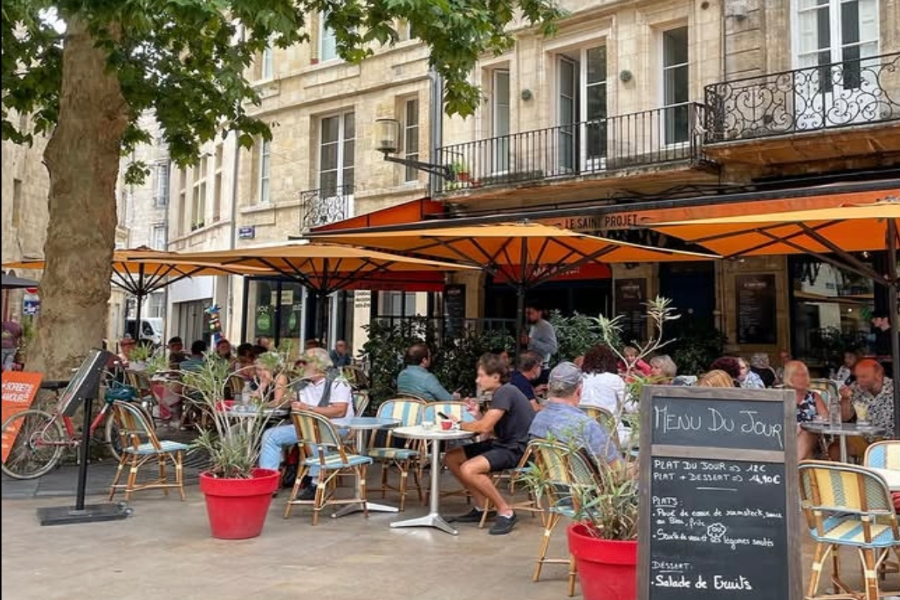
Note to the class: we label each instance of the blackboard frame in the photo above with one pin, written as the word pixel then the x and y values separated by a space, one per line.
pixel 788 457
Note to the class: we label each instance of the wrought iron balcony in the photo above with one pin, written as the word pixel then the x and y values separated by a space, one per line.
pixel 844 94
pixel 324 206
pixel 593 147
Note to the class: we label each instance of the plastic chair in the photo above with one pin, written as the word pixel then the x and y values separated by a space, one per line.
pixel 321 445
pixel 846 505
pixel 134 428
pixel 408 412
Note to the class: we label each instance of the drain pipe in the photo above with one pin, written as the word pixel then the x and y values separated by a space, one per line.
pixel 436 126
pixel 232 238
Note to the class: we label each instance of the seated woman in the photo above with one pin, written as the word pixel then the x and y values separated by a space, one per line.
pixel 270 388
pixel 663 370
pixel 809 406
pixel 603 387
pixel 716 378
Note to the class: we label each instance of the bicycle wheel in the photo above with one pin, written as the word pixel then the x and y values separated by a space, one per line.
pixel 111 438
pixel 39 444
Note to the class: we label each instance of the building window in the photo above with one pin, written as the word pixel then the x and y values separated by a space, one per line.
pixel 327 42
pixel 265 168
pixel 676 84
pixel 336 154
pixel 158 239
pixel 182 203
pixel 396 304
pixel 156 306
pixel 217 184
pixel 198 205
pixel 162 183
pixel 404 31
pixel 582 108
pixel 500 119
pixel 267 63
pixel 411 136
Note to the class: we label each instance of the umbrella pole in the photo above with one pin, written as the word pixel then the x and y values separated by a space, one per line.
pixel 138 329
pixel 895 326
pixel 321 316
pixel 520 318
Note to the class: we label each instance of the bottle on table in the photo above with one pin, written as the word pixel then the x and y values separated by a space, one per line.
pixel 834 411
pixel 246 394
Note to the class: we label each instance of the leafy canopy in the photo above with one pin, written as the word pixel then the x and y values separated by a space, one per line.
pixel 186 60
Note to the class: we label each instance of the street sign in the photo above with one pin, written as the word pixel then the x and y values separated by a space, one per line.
pixel 247 232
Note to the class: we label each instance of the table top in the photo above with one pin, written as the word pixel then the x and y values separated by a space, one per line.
pixel 843 428
pixel 365 423
pixel 891 476
pixel 267 412
pixel 418 432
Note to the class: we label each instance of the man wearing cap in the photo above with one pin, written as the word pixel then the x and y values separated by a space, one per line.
pixel 564 422
pixel 334 401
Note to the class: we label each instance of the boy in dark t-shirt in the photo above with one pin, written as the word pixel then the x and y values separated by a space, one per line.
pixel 508 418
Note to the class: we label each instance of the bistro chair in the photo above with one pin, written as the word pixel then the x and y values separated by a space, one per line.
pixel 607 421
pixel 563 470
pixel 134 429
pixel 826 388
pixel 412 395
pixel 847 505
pixel 140 381
pixel 360 403
pixel 321 445
pixel 883 455
pixel 393 452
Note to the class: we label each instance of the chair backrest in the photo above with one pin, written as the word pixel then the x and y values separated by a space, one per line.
pixel 883 455
pixel 562 468
pixel 827 488
pixel 139 381
pixel 826 388
pixel 360 403
pixel 450 408
pixel 411 396
pixel 406 410
pixel 607 421
pixel 133 424
pixel 315 431
pixel 236 384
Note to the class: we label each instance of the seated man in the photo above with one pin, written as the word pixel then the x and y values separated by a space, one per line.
pixel 874 391
pixel 415 378
pixel 508 419
pixel 562 420
pixel 340 357
pixel 176 351
pixel 334 401
pixel 195 361
pixel 528 370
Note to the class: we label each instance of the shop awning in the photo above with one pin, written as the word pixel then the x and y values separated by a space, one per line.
pixel 407 212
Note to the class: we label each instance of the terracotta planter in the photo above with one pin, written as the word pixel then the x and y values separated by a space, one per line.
pixel 607 569
pixel 237 508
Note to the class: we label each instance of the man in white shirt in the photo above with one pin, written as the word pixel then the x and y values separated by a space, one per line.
pixel 338 407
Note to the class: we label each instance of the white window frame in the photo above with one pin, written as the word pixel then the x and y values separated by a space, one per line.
pixel 267 63
pixel 158 230
pixel 326 33
pixel 163 181
pixel 661 62
pixel 265 172
pixel 219 155
pixel 590 164
pixel 411 175
pixel 837 33
pixel 501 166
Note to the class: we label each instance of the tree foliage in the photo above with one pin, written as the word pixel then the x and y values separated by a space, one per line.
pixel 187 60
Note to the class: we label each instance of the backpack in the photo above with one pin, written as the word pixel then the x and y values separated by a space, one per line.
pixel 330 378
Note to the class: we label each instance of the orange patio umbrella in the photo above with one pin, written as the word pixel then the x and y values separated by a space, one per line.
pixel 830 234
pixel 524 254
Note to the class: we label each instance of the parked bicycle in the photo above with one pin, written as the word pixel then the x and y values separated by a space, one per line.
pixel 43 436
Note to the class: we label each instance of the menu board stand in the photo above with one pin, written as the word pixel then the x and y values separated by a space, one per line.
pixel 85 385
pixel 719 505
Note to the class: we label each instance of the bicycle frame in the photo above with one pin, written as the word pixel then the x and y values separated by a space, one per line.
pixel 72 439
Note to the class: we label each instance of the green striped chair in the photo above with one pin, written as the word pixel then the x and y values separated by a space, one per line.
pixel 847 505
pixel 404 457
pixel 322 446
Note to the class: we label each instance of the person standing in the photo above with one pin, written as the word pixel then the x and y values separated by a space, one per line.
pixel 12 339
pixel 340 357
pixel 881 325
pixel 541 337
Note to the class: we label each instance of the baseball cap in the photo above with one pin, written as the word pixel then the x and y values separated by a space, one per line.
pixel 565 375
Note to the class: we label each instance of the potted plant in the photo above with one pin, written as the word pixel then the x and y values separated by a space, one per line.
pixel 460 170
pixel 237 493
pixel 141 353
pixel 603 535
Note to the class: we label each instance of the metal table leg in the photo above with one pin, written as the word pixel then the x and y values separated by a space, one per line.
pixel 843 443
pixel 373 507
pixel 433 518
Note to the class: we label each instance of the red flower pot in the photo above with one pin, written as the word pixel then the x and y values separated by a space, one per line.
pixel 237 507
pixel 607 569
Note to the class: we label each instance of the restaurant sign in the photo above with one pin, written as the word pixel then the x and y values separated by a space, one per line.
pixel 19 390
pixel 584 223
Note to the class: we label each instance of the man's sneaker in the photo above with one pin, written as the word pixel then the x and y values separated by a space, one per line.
pixel 503 525
pixel 473 516
pixel 307 493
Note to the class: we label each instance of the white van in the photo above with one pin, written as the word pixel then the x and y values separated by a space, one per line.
pixel 151 329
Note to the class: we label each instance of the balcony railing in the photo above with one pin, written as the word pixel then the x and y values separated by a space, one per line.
pixel 324 206
pixel 590 147
pixel 843 94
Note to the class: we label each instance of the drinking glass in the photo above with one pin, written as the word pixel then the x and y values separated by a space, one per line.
pixel 862 413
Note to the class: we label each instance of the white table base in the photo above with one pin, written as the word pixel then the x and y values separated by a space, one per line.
pixel 371 506
pixel 433 518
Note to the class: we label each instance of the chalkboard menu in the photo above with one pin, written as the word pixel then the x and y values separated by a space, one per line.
pixel 630 296
pixel 756 311
pixel 455 308
pixel 719 498
pixel 85 383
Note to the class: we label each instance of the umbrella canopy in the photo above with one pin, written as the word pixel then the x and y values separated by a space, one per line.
pixel 142 271
pixel 524 254
pixel 323 268
pixel 11 282
pixel 830 234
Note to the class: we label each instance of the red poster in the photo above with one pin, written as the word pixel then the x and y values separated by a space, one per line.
pixel 19 390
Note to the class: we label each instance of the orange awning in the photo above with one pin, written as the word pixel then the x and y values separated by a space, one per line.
pixel 407 212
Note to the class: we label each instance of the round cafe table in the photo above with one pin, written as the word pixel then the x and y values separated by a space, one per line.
pixel 843 431
pixel 435 436
pixel 361 425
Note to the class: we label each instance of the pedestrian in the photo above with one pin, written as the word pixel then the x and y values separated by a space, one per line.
pixel 12 339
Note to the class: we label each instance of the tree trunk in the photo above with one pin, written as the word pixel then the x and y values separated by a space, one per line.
pixel 82 158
